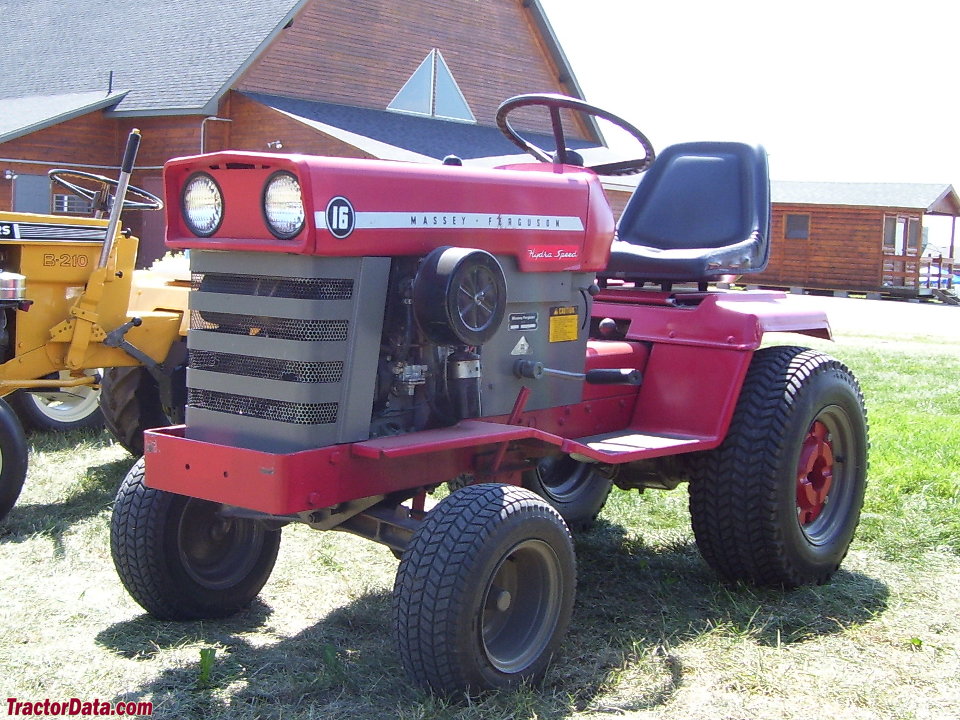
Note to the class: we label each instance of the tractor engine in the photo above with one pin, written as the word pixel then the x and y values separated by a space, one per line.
pixel 339 300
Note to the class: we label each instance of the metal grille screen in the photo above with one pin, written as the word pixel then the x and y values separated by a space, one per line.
pixel 296 288
pixel 267 368
pixel 265 409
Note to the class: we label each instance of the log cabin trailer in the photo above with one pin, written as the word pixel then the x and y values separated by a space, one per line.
pixel 854 237
pixel 411 81
pixel 860 237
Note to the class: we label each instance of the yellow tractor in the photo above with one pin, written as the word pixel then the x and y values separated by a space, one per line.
pixel 67 289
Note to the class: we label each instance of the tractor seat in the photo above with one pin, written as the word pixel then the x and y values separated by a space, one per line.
pixel 701 211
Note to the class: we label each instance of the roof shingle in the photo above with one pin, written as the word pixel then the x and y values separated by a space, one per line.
pixel 936 199
pixel 171 57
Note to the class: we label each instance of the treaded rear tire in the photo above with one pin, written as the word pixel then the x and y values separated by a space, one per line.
pixel 744 504
pixel 178 560
pixel 13 458
pixel 577 490
pixel 485 591
pixel 130 403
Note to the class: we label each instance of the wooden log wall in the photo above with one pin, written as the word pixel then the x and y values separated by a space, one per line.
pixel 94 143
pixel 361 53
pixel 844 249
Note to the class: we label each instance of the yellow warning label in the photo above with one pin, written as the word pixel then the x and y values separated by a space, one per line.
pixel 564 324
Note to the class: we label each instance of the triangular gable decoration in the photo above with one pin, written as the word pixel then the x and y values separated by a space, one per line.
pixel 432 91
pixel 416 96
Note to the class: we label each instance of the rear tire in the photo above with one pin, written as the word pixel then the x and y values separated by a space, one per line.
pixel 13 458
pixel 576 490
pixel 484 591
pixel 130 403
pixel 179 559
pixel 779 501
pixel 59 410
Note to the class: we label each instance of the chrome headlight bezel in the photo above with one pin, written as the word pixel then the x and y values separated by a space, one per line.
pixel 282 204
pixel 202 194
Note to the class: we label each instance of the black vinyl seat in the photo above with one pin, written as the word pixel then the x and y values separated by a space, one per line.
pixel 701 211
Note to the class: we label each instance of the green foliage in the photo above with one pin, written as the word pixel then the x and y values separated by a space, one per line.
pixel 208 656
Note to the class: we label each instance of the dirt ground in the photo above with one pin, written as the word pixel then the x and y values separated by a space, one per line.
pixel 857 316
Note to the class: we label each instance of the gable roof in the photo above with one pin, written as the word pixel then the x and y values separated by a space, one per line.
pixel 170 57
pixel 934 199
pixel 400 136
pixel 25 115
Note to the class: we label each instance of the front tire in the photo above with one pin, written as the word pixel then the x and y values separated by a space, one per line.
pixel 778 502
pixel 484 591
pixel 180 559
pixel 13 458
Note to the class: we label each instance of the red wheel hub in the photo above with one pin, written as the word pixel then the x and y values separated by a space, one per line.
pixel 814 473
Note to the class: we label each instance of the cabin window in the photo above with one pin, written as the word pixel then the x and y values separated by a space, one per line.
pixel 72 205
pixel 901 235
pixel 797 227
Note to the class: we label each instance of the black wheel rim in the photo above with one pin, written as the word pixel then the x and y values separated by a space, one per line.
pixel 562 477
pixel 825 478
pixel 217 552
pixel 521 606
pixel 478 298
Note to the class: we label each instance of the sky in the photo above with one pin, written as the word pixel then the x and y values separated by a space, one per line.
pixel 835 91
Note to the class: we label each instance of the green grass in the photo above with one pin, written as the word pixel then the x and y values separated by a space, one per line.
pixel 655 634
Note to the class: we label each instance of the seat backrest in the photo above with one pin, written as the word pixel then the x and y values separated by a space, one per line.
pixel 702 210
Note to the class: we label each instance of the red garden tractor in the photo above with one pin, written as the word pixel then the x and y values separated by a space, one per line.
pixel 364 332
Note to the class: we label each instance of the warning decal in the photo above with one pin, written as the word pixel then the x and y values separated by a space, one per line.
pixel 564 324
pixel 522 347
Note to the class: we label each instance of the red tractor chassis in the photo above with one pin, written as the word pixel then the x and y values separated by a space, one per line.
pixel 365 332
pixel 693 357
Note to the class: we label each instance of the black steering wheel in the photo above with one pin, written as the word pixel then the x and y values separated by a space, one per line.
pixel 555 103
pixel 100 195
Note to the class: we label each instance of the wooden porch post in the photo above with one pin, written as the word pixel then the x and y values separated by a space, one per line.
pixel 953 234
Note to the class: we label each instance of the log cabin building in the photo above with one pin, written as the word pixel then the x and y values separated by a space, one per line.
pixel 414 80
pixel 855 236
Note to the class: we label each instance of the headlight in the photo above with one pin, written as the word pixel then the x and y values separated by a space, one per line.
pixel 283 205
pixel 202 204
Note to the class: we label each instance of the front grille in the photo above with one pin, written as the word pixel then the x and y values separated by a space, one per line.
pixel 283 349
pixel 49 231
pixel 295 288
pixel 267 368
pixel 264 409
pixel 270 327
